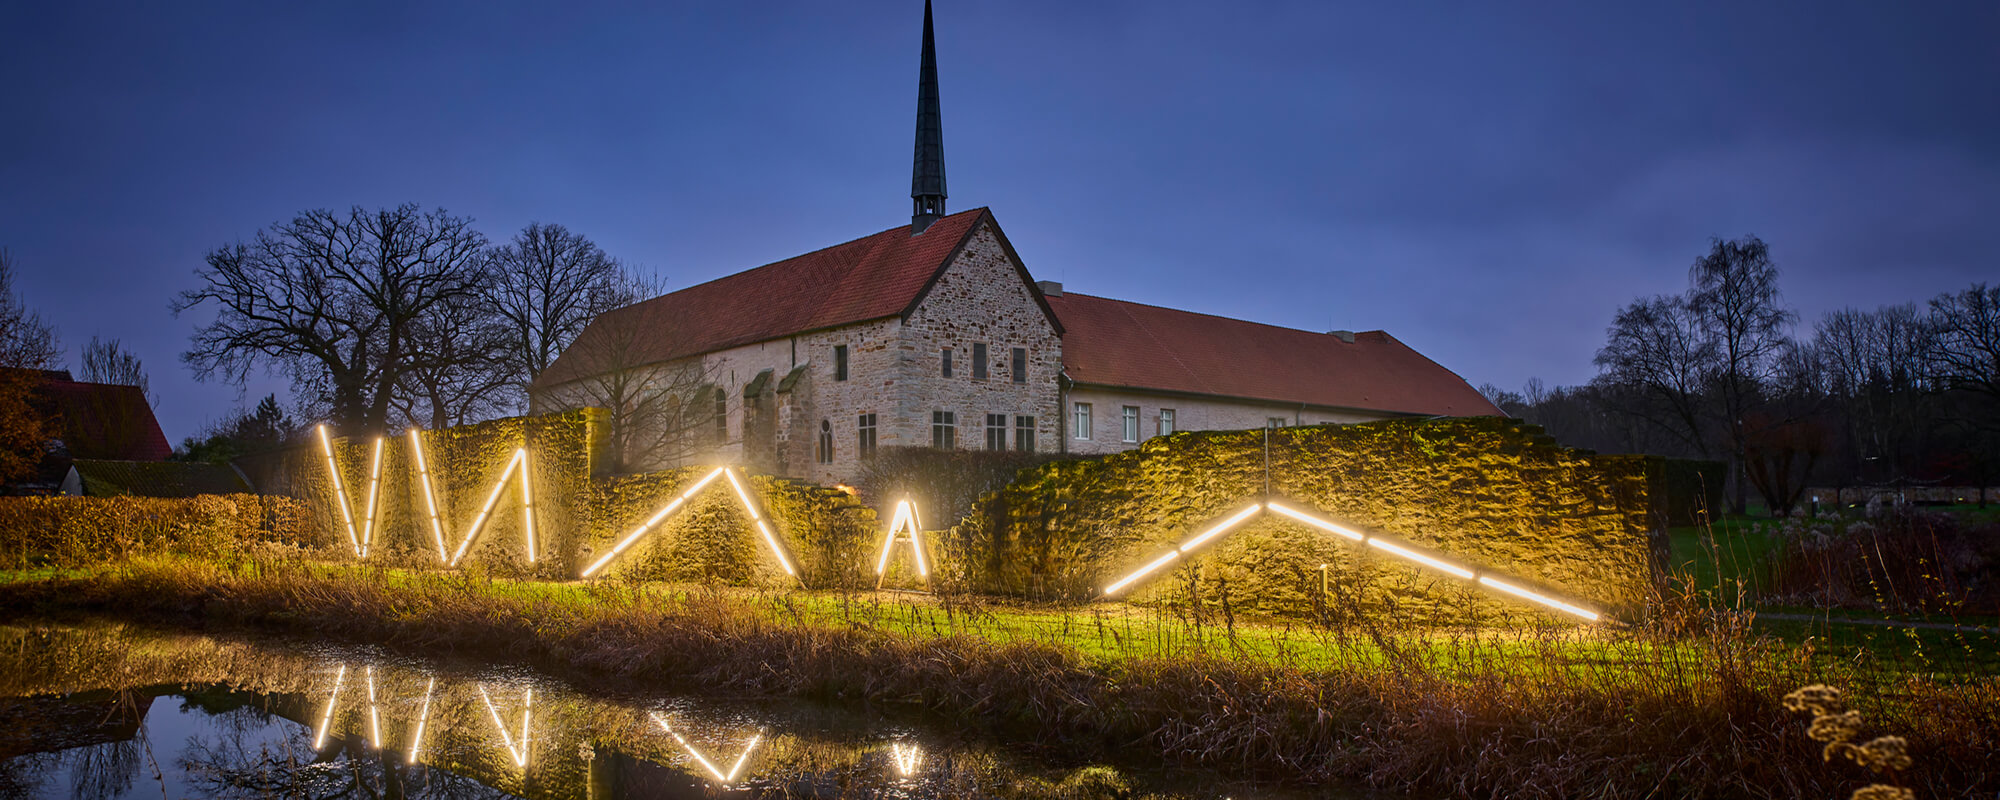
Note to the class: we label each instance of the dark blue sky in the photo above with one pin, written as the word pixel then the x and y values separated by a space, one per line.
pixel 1487 184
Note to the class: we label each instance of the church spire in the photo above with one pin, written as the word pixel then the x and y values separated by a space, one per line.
pixel 927 177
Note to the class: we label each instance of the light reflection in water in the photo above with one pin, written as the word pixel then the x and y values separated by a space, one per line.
pixel 734 769
pixel 325 720
pixel 527 704
pixel 906 757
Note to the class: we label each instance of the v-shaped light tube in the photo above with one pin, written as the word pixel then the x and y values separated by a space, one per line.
pixel 749 507
pixel 903 520
pixel 430 495
pixel 518 462
pixel 359 541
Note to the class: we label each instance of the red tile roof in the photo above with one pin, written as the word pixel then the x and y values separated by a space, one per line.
pixel 869 278
pixel 103 420
pixel 1120 344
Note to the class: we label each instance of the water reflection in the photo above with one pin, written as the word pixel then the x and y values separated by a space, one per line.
pixel 111 712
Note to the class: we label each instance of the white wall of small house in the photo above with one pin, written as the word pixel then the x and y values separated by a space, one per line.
pixel 1107 430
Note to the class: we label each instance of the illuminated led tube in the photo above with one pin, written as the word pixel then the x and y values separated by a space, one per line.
pixel 738 766
pixel 748 507
pixel 1316 521
pixel 776 549
pixel 527 505
pixel 423 716
pixel 1226 524
pixel 904 519
pixel 326 717
pixel 635 535
pixel 1551 602
pixel 374 483
pixel 430 496
pixel 1161 562
pixel 339 492
pixel 479 522
pixel 1420 558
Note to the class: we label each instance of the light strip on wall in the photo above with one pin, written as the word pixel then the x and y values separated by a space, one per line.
pixel 527 506
pixel 758 519
pixel 374 483
pixel 1441 566
pixel 1325 525
pixel 339 492
pixel 423 716
pixel 1143 571
pixel 655 520
pixel 1217 530
pixel 430 495
pixel 903 520
pixel 518 462
pixel 1551 602
pixel 326 717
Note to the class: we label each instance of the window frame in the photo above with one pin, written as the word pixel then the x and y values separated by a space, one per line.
pixel 1019 365
pixel 1128 424
pixel 840 362
pixel 1024 433
pixel 944 356
pixel 823 451
pixel 1166 422
pixel 1080 421
pixel 996 433
pixel 944 430
pixel 979 361
pixel 864 435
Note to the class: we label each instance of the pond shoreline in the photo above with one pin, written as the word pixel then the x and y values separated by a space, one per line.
pixel 1711 726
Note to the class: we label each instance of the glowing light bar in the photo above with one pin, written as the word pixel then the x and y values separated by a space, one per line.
pixel 738 766
pixel 1443 566
pixel 635 535
pixel 520 756
pixel 423 716
pixel 776 549
pixel 374 717
pixel 339 492
pixel 710 766
pixel 326 717
pixel 518 462
pixel 903 520
pixel 1143 571
pixel 1224 525
pixel 1316 522
pixel 430 495
pixel 740 494
pixel 1524 594
pixel 374 483
pixel 905 758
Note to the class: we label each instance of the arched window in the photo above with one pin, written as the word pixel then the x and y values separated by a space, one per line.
pixel 825 450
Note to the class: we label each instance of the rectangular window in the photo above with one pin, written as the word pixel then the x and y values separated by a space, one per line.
pixel 1024 434
pixel 945 358
pixel 944 430
pixel 865 444
pixel 840 362
pixel 1128 429
pixel 1166 421
pixel 1274 422
pixel 1020 365
pixel 996 432
pixel 1080 422
pixel 979 361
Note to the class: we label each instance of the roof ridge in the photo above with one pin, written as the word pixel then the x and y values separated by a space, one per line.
pixel 1238 320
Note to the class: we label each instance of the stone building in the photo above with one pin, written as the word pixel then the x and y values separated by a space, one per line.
pixel 935 334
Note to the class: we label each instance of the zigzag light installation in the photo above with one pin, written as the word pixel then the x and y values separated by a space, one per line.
pixel 1477 576
pixel 519 463
pixel 725 778
pixel 527 705
pixel 374 713
pixel 756 517
pixel 904 519
pixel 367 535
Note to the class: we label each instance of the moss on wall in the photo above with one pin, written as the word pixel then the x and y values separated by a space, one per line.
pixel 1489 492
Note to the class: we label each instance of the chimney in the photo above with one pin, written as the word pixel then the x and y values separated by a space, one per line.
pixel 1049 288
pixel 1345 336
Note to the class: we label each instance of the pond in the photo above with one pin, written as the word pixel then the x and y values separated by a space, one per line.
pixel 105 710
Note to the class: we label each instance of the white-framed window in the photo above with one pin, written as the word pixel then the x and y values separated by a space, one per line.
pixel 1166 421
pixel 865 435
pixel 1080 421
pixel 1274 422
pixel 996 432
pixel 944 430
pixel 1024 434
pixel 1128 424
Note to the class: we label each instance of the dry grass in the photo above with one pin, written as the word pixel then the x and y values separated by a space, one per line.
pixel 1548 712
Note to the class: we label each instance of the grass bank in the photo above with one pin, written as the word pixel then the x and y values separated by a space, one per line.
pixel 1553 712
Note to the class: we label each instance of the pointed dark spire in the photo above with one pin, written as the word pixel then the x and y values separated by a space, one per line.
pixel 927 177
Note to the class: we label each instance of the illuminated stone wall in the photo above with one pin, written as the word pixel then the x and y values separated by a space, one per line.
pixel 827 533
pixel 1489 492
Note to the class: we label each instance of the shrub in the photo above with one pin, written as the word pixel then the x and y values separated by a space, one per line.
pixel 79 531
pixel 1902 560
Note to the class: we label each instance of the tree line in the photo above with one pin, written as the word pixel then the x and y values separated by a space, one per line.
pixel 1904 394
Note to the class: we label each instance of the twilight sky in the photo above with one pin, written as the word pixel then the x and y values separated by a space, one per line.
pixel 1488 185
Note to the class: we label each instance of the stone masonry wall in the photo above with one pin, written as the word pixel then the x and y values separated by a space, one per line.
pixel 1190 414
pixel 1488 492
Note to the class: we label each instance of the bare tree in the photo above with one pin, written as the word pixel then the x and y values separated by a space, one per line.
pixel 458 370
pixel 106 361
pixel 333 301
pixel 1659 356
pixel 26 342
pixel 659 414
pixel 1735 302
pixel 1966 350
pixel 550 283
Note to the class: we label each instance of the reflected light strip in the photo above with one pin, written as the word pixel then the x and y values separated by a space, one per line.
pixel 1226 524
pixel 1316 522
pixel 326 717
pixel 1551 602
pixel 480 521
pixel 520 756
pixel 339 492
pixel 1443 566
pixel 738 766
pixel 642 529
pixel 751 508
pixel 430 496
pixel 691 750
pixel 423 716
pixel 374 717
pixel 374 483
pixel 906 758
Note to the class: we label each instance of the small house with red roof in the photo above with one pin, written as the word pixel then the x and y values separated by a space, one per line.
pixel 935 334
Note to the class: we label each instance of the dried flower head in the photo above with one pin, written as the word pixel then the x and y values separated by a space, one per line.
pixel 1835 727
pixel 1884 753
pixel 1818 698
pixel 1883 792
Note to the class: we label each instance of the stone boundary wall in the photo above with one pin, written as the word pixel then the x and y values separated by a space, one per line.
pixel 1489 492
